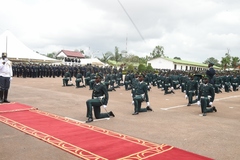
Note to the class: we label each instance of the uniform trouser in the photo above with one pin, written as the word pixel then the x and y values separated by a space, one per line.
pixel 65 81
pixel 4 86
pixel 78 82
pixel 118 81
pixel 182 87
pixel 87 79
pixel 96 104
pixel 166 86
pixel 107 84
pixel 91 82
pixel 217 88
pixel 158 84
pixel 138 103
pixel 234 86
pixel 126 85
pixel 227 86
pixel 175 85
pixel 204 104
pixel 190 97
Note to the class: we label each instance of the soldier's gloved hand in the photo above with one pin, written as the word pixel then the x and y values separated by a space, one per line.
pixel 104 106
pixel 186 96
pixel 132 102
pixel 10 79
pixel 210 103
pixel 196 97
pixel 148 103
pixel 198 103
pixel 171 88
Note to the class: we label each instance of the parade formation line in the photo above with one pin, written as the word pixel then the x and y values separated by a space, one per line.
pixel 180 106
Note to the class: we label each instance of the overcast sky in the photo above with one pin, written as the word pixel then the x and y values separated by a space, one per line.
pixel 193 30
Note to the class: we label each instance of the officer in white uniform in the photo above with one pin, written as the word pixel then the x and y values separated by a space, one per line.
pixel 5 77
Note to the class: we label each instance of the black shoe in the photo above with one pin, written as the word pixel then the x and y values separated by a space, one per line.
pixel 135 113
pixel 89 120
pixel 173 92
pixel 6 101
pixel 111 114
pixel 188 104
pixel 1 101
pixel 149 108
pixel 214 109
pixel 204 114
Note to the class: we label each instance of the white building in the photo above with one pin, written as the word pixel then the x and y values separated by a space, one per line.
pixel 176 64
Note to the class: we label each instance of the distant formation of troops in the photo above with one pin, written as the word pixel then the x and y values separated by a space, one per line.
pixel 199 86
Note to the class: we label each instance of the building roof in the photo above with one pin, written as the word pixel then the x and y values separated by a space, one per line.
pixel 186 62
pixel 189 63
pixel 73 54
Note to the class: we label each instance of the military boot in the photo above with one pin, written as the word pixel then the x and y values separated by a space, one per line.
pixel 1 96
pixel 5 97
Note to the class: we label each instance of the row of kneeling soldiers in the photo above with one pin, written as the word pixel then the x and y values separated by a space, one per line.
pixel 194 85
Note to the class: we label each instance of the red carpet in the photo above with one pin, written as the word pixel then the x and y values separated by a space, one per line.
pixel 86 141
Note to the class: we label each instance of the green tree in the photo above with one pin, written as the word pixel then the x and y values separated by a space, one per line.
pixel 130 67
pixel 235 62
pixel 157 52
pixel 141 68
pixel 149 68
pixel 226 61
pixel 117 57
pixel 177 58
pixel 106 57
pixel 213 60
pixel 52 55
pixel 143 60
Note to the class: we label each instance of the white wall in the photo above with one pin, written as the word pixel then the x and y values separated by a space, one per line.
pixel 160 63
pixel 61 54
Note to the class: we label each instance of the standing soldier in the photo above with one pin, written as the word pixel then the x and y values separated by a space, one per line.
pixel 210 72
pixel 5 77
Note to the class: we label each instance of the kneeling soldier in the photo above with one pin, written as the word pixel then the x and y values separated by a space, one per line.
pixel 99 98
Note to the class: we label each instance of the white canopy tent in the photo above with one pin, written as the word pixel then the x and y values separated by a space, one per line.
pixel 93 61
pixel 18 52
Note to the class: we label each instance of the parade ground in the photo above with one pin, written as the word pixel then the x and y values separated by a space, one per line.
pixel 171 122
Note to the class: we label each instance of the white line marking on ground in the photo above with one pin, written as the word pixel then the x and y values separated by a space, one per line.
pixel 180 106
